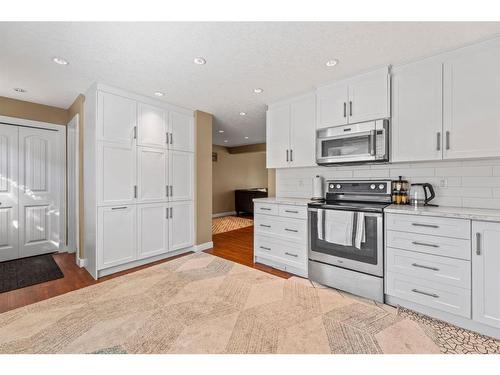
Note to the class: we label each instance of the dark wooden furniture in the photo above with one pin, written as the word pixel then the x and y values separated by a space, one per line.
pixel 243 199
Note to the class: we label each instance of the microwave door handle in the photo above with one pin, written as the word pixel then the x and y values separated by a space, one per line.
pixel 343 136
pixel 373 142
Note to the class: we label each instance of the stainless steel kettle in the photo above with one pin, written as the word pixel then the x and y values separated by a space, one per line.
pixel 421 194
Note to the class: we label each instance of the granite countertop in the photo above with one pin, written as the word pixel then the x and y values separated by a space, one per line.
pixel 281 200
pixel 444 211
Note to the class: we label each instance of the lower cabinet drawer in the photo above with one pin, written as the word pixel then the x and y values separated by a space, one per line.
pixel 266 208
pixel 286 229
pixel 298 212
pixel 286 252
pixel 265 246
pixel 449 271
pixel 428 293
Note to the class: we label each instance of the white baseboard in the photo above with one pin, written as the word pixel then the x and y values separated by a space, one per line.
pixel 203 246
pixel 220 214
pixel 79 261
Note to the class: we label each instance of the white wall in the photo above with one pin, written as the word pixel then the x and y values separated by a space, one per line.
pixel 474 183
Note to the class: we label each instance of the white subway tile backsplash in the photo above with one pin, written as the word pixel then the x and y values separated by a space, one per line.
pixel 371 173
pixel 465 171
pixel 481 203
pixel 481 181
pixel 415 172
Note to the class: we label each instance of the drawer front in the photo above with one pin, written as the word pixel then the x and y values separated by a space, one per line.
pixel 454 272
pixel 266 247
pixel 294 254
pixel 436 226
pixel 266 209
pixel 283 228
pixel 299 212
pixel 283 252
pixel 442 246
pixel 266 224
pixel 428 293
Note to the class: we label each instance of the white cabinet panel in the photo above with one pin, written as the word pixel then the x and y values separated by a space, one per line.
pixel 152 229
pixel 278 136
pixel 181 171
pixel 116 235
pixel 332 105
pixel 181 131
pixel 181 224
pixel 369 96
pixel 303 132
pixel 417 111
pixel 116 118
pixel 486 273
pixel 116 166
pixel 471 102
pixel 152 175
pixel 151 126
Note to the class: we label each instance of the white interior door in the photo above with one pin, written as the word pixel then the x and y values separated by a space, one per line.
pixel 152 175
pixel 9 224
pixel 151 126
pixel 39 191
pixel 181 175
pixel 152 229
pixel 181 225
pixel 181 131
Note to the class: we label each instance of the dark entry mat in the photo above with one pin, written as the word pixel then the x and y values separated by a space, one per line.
pixel 19 273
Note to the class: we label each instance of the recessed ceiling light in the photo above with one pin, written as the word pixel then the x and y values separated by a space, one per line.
pixel 246 137
pixel 258 91
pixel 221 131
pixel 60 61
pixel 18 89
pixel 243 113
pixel 225 141
pixel 159 93
pixel 331 63
pixel 199 61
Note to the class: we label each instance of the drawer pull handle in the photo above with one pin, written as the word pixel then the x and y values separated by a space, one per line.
pixel 291 230
pixel 265 209
pixel 265 248
pixel 292 255
pixel 292 212
pixel 265 226
pixel 424 244
pixel 425 225
pixel 118 208
pixel 425 293
pixel 426 267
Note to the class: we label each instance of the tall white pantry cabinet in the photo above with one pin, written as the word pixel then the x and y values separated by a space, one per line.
pixel 138 180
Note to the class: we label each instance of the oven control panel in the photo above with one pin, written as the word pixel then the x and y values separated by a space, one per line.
pixel 359 187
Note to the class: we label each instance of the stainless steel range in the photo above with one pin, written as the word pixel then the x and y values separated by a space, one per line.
pixel 346 237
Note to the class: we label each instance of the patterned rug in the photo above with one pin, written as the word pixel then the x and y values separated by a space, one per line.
pixel 229 223
pixel 204 304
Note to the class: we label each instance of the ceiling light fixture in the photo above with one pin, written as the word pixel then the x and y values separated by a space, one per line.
pixel 243 113
pixel 159 93
pixel 199 61
pixel 225 141
pixel 18 89
pixel 258 91
pixel 221 131
pixel 331 63
pixel 60 61
pixel 246 137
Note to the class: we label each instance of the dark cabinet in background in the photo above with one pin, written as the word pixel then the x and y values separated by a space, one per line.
pixel 243 199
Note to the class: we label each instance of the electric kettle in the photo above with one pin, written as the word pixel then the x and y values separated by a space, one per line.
pixel 421 194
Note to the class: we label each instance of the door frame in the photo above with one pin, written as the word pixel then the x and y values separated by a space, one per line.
pixel 73 129
pixel 61 133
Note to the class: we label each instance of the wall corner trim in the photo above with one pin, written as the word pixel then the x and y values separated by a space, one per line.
pixel 203 246
pixel 80 262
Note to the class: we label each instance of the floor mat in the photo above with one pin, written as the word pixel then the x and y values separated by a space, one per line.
pixel 229 223
pixel 19 273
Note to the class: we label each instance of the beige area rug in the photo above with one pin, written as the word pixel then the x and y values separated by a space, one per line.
pixel 204 304
pixel 229 223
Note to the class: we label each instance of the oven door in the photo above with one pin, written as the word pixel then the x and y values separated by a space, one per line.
pixel 347 239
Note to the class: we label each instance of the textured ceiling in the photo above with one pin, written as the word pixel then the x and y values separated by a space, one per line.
pixel 282 58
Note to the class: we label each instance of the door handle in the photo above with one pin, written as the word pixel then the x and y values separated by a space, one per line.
pixel 171 190
pixel 438 141
pixel 291 155
pixel 135 132
pixel 166 212
pixel 171 138
pixel 167 137
pixel 286 155
pixel 447 140
pixel 345 109
pixel 171 212
pixel 478 243
pixel 135 191
pixel 425 293
pixel 426 267
pixel 166 190
pixel 350 107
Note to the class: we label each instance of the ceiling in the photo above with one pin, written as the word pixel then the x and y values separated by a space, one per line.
pixel 283 59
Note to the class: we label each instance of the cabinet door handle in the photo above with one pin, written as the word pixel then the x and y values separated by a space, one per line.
pixel 166 213
pixel 166 190
pixel 265 226
pixel 291 255
pixel 433 295
pixel 286 155
pixel 292 211
pixel 292 230
pixel 426 267
pixel 119 208
pixel 135 191
pixel 350 107
pixel 167 137
pixel 438 141
pixel 291 155
pixel 345 109
pixel 478 243
pixel 135 132
pixel 171 212
pixel 424 244
pixel 171 190
pixel 171 138
pixel 425 225
pixel 265 248
pixel 447 140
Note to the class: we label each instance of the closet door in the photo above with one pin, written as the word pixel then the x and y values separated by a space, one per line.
pixel 116 118
pixel 9 234
pixel 39 195
pixel 181 131
pixel 181 165
pixel 181 225
pixel 152 175
pixel 151 126
pixel 152 229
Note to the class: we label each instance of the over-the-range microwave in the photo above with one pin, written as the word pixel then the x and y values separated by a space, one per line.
pixel 365 142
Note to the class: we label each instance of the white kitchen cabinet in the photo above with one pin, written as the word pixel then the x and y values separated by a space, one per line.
pixel 471 101
pixel 417 111
pixel 332 105
pixel 291 133
pixel 181 224
pixel 181 171
pixel 151 126
pixel 116 239
pixel 152 229
pixel 486 273
pixel 152 178
pixel 117 173
pixel 181 128
pixel 116 118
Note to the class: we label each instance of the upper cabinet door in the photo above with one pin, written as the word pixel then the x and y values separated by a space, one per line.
pixel 116 118
pixel 369 96
pixel 417 111
pixel 181 131
pixel 151 175
pixel 332 105
pixel 303 132
pixel 486 273
pixel 181 166
pixel 151 126
pixel 278 136
pixel 472 102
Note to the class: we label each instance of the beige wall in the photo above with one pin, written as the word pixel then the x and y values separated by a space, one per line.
pixel 203 125
pixel 271 182
pixel 32 111
pixel 235 171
